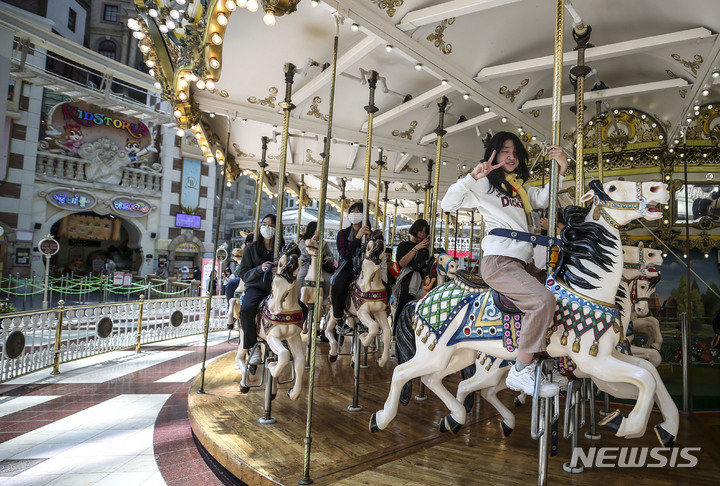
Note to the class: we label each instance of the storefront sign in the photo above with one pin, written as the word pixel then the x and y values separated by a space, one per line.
pixel 89 118
pixel 131 207
pixel 187 247
pixel 22 256
pixel 70 200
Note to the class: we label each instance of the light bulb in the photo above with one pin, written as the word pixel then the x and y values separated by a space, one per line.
pixel 153 13
pixel 144 48
pixel 214 63
pixel 163 28
pixel 151 72
pixel 200 84
pixel 389 48
pixel 354 27
pixel 486 109
pixel 149 63
pixel 222 19
pixel 228 183
pixel 174 14
pixel 466 96
pixel 182 84
pixel 198 135
pixel 139 35
pixel 180 2
pixel 133 24
pixel 210 159
pixel 180 132
pixel 444 82
pixel 418 66
pixel 715 74
pixel 503 119
pixel 177 113
pixel 216 39
pixel 242 3
pixel 157 85
pixel 269 18
pixel 230 5
pixel 252 5
pixel 705 92
pixel 170 24
pixel 210 84
pixel 314 3
pixel 182 96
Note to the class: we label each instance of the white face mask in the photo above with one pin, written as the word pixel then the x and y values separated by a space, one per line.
pixel 355 218
pixel 267 232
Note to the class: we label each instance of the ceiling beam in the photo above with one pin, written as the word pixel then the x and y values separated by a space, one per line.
pixel 610 93
pixel 420 100
pixel 595 53
pixel 455 8
pixel 461 127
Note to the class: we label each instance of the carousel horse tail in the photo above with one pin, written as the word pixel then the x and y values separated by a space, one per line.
pixel 405 344
pixel 466 373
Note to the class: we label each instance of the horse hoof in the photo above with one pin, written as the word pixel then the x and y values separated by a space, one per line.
pixel 506 430
pixel 613 421
pixel 244 389
pixel 665 437
pixel 518 402
pixel 332 358
pixel 373 424
pixel 449 423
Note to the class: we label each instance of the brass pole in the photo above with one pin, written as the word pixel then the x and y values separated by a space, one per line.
pixel 385 200
pixel 417 209
pixel 322 201
pixel 58 338
pixel 300 203
pixel 380 163
pixel 598 135
pixel 371 109
pixel 439 131
pixel 213 277
pixel 287 107
pixel 556 108
pixel 428 190
pixel 261 182
pixel 139 325
pixel 581 34
pixel 392 237
pixel 343 183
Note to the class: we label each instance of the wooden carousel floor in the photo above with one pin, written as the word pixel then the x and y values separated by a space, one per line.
pixel 411 451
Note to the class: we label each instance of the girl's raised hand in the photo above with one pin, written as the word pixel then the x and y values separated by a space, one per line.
pixel 484 168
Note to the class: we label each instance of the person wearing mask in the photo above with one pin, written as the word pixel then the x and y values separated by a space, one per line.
pixel 495 189
pixel 326 260
pixel 256 272
pixel 348 245
pixel 412 257
pixel 234 282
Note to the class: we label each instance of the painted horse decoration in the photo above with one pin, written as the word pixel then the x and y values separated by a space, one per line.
pixel 280 318
pixel 367 300
pixel 460 319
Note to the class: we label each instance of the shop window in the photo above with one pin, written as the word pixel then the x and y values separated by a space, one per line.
pixel 110 13
pixel 72 19
pixel 108 49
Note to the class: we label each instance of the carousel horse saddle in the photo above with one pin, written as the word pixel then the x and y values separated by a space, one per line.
pixel 474 283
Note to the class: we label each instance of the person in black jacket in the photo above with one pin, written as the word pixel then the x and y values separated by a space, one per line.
pixel 412 257
pixel 256 273
pixel 348 245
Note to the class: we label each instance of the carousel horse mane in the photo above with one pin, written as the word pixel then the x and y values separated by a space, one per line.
pixel 583 240
pixel 287 268
pixel 377 248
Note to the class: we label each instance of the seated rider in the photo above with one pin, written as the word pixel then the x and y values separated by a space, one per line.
pixel 348 245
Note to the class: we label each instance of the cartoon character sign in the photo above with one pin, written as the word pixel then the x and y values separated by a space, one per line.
pixel 73 137
pixel 136 152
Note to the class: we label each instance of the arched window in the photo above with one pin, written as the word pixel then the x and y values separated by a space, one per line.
pixel 108 49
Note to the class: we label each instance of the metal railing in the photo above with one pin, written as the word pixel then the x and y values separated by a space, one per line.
pixel 31 341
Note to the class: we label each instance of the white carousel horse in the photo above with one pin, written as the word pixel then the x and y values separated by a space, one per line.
pixel 309 286
pixel 586 284
pixel 367 300
pixel 446 268
pixel 280 318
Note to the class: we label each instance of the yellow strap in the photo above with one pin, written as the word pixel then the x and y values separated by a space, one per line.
pixel 516 184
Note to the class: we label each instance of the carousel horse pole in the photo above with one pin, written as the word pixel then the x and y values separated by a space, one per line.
pixel 261 181
pixel 208 303
pixel 380 164
pixel 322 202
pixel 311 287
pixel 287 107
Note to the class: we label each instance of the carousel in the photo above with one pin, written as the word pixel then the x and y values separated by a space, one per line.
pixel 389 103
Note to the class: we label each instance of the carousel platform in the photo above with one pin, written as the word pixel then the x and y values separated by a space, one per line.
pixel 412 450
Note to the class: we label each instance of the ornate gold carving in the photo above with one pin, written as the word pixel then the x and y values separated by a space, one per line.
pixel 310 158
pixel 511 94
pixel 407 133
pixel 374 166
pixel 437 36
pixel 672 74
pixel 269 101
pixel 683 93
pixel 535 113
pixel 315 111
pixel 240 153
pixel 691 65
pixel 273 157
pixel 539 94
pixel 407 168
pixel 388 5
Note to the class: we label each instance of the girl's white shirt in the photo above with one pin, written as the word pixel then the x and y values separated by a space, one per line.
pixel 498 211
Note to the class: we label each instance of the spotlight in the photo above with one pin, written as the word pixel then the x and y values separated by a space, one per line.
pixel 486 109
pixel 354 27
pixel 389 48
pixel 705 92
pixel 466 96
pixel 214 63
pixel 216 39
pixel 230 5
pixel 222 19
pixel 715 74
pixel 418 67
pixel 503 119
pixel 444 82
pixel 314 3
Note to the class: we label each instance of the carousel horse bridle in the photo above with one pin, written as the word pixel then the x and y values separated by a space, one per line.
pixel 640 205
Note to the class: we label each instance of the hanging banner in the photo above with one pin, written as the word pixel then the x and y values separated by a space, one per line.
pixel 190 188
pixel 206 270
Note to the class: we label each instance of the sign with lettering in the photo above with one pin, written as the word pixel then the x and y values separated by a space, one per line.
pixel 187 247
pixel 131 207
pixel 71 200
pixel 48 246
pixel 79 123
pixel 190 188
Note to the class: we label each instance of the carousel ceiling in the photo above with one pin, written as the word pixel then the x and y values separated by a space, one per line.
pixel 492 59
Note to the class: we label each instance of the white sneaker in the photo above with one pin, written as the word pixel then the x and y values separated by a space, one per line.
pixel 560 379
pixel 524 381
pixel 256 357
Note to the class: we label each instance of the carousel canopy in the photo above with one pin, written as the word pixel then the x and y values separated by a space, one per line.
pixel 649 82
